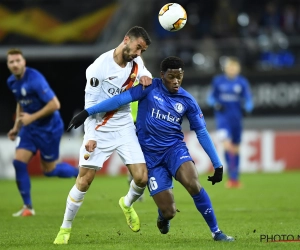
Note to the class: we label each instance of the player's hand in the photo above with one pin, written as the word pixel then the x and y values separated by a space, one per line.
pixel 145 81
pixel 90 146
pixel 78 120
pixel 25 118
pixel 12 134
pixel 217 177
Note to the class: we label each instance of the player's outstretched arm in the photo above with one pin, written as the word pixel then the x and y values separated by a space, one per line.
pixel 105 106
pixel 208 146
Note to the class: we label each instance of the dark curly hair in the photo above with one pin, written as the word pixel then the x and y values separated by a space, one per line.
pixel 171 62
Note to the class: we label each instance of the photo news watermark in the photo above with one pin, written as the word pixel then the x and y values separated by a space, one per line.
pixel 279 238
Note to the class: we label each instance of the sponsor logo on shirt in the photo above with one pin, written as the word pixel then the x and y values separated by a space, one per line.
pixel 112 77
pixel 25 102
pixel 183 157
pixel 229 97
pixel 48 157
pixel 156 113
pixel 158 98
pixel 116 91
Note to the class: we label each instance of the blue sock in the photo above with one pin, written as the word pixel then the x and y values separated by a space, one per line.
pixel 64 170
pixel 204 206
pixel 233 165
pixel 160 215
pixel 23 182
pixel 236 161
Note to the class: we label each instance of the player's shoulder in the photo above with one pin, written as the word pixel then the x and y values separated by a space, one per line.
pixel 104 57
pixel 218 77
pixel 156 82
pixel 184 93
pixel 139 60
pixel 10 80
pixel 102 61
pixel 242 79
pixel 33 74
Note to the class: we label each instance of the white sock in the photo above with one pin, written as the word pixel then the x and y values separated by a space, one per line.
pixel 133 194
pixel 74 201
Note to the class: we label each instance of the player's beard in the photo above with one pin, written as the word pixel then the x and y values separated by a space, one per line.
pixel 126 54
pixel 18 73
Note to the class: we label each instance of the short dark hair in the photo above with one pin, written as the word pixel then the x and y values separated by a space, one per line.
pixel 14 51
pixel 171 62
pixel 137 32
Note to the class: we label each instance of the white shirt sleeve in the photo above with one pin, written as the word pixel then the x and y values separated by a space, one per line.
pixel 94 76
pixel 143 71
pixel 92 92
pixel 90 122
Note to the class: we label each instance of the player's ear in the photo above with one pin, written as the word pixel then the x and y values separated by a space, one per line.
pixel 126 40
pixel 162 74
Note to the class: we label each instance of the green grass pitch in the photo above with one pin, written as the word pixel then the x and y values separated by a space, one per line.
pixel 268 204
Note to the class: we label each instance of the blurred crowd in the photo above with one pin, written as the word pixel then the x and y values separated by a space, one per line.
pixel 263 34
pixel 232 18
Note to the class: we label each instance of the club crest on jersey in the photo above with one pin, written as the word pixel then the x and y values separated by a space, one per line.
pixel 86 156
pixel 133 76
pixel 178 107
pixel 94 82
pixel 23 92
pixel 237 88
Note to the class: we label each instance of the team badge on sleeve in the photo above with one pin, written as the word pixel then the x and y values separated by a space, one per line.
pixel 94 82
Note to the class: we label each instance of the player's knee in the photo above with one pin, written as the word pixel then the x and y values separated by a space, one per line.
pixel 83 183
pixel 141 178
pixel 169 212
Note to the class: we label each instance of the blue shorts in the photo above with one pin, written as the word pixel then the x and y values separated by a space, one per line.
pixel 232 131
pixel 162 167
pixel 47 142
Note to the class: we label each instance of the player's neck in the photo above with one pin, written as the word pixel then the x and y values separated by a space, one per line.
pixel 118 58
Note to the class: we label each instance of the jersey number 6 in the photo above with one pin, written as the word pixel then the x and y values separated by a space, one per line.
pixel 152 184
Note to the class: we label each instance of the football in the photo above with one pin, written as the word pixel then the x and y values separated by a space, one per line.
pixel 172 17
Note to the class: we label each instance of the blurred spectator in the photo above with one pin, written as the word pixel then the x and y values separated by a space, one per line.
pixel 224 20
pixel 289 20
pixel 271 17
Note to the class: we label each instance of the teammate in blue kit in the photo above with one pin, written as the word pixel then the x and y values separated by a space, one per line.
pixel 229 95
pixel 162 106
pixel 38 126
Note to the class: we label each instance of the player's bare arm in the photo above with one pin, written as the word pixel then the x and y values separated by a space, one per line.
pixel 48 109
pixel 15 130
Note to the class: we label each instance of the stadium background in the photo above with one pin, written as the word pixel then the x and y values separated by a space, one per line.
pixel 62 37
